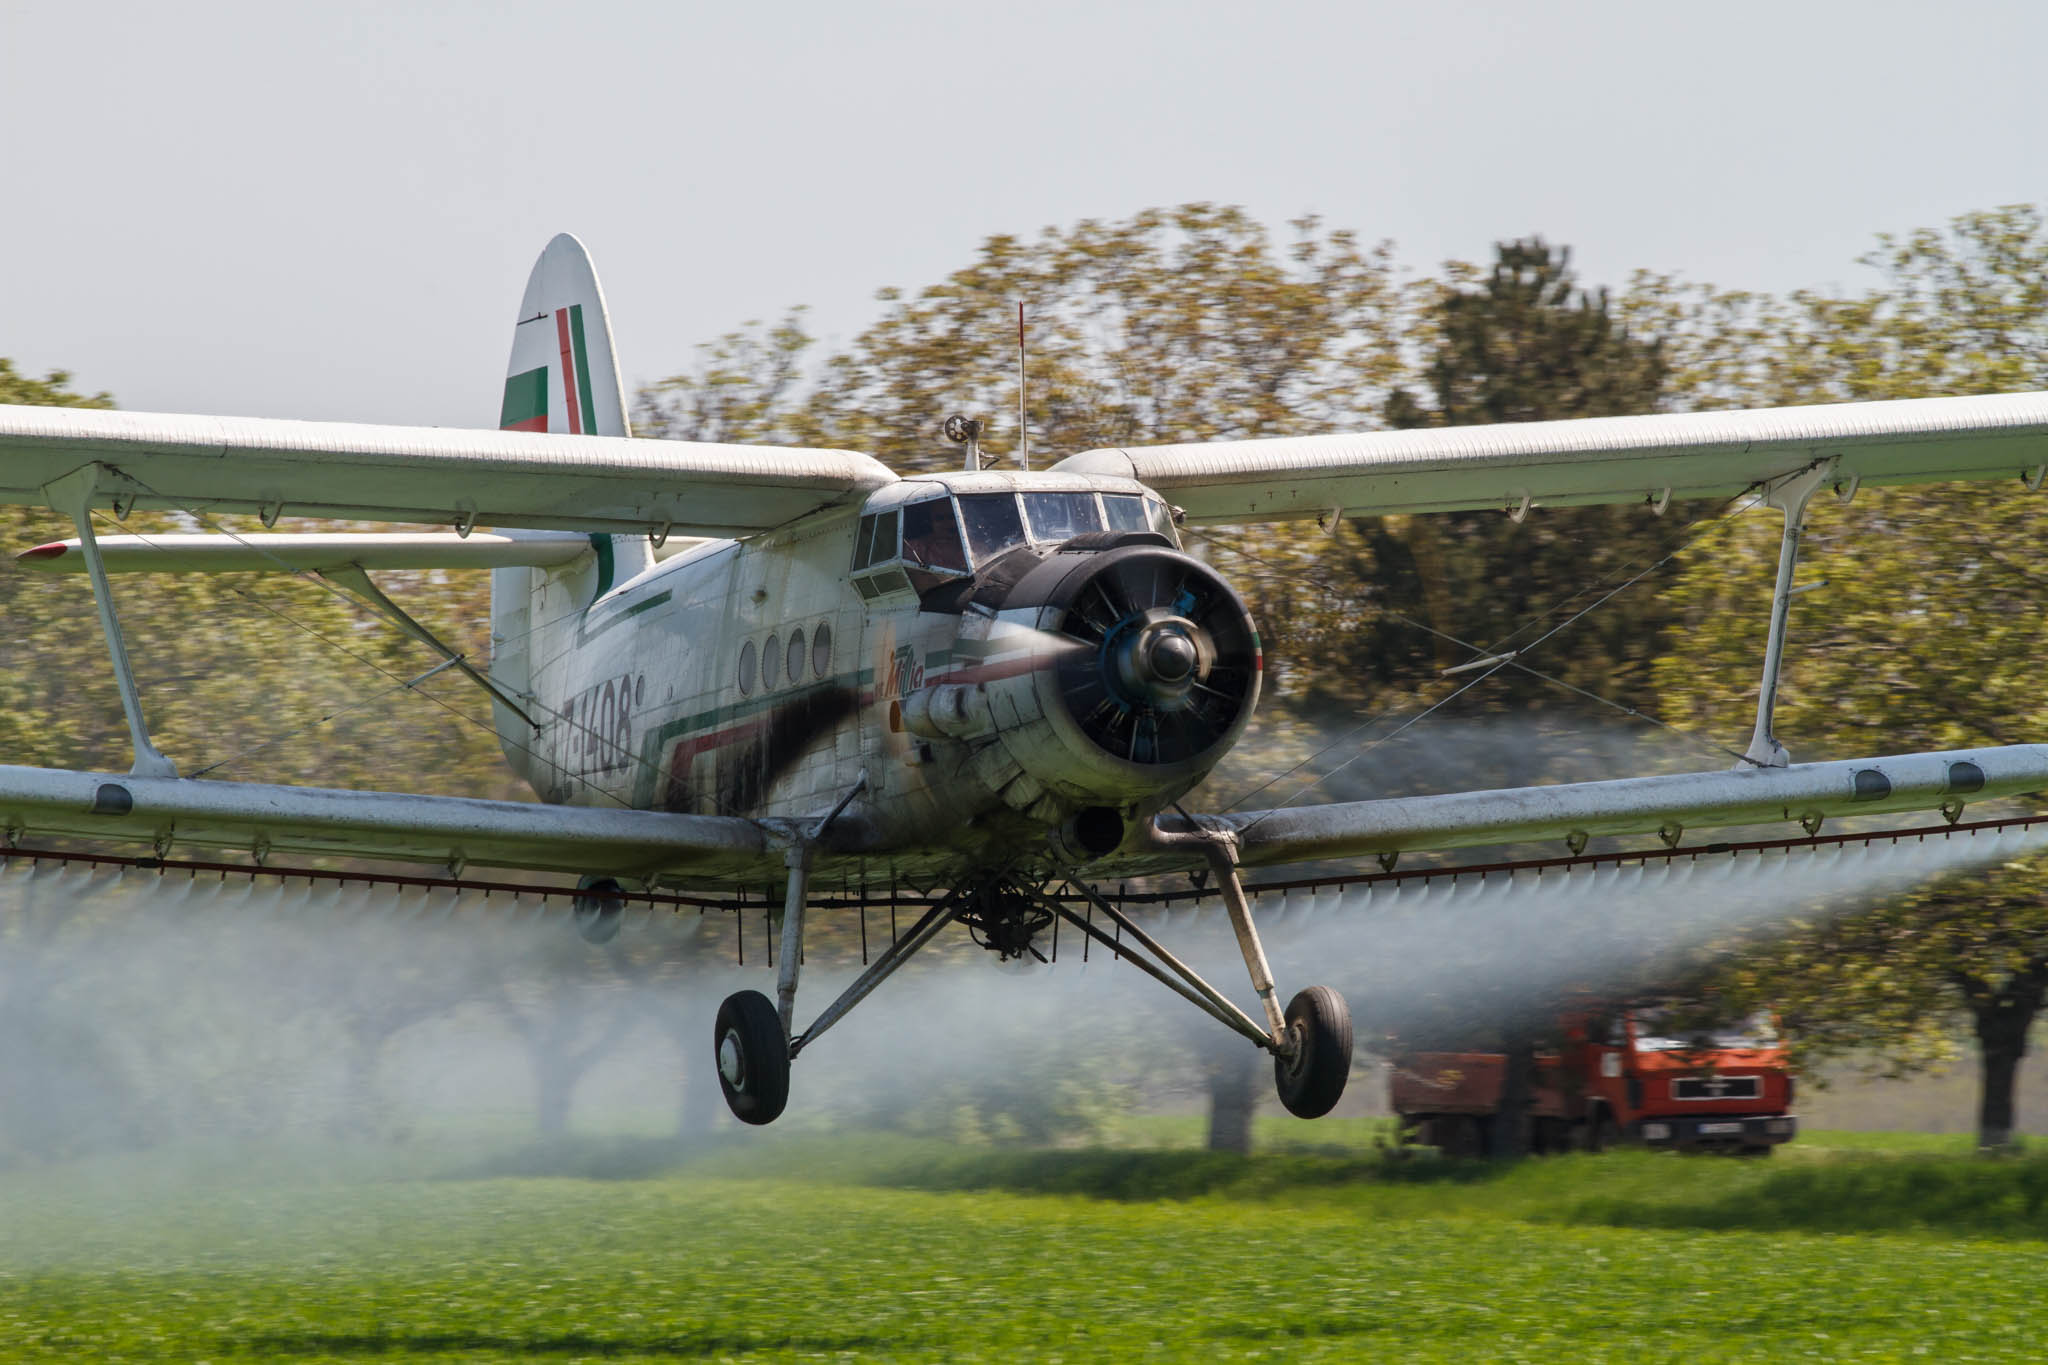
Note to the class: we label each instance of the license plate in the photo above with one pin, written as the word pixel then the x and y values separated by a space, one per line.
pixel 1720 1128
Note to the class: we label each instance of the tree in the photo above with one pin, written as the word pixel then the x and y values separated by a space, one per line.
pixel 1523 342
pixel 1924 636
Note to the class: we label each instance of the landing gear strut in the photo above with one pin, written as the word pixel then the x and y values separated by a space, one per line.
pixel 1310 1040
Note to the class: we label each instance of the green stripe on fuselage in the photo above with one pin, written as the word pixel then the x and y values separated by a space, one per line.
pixel 587 633
pixel 719 718
pixel 607 569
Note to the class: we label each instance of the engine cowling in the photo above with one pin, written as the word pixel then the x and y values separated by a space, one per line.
pixel 1130 672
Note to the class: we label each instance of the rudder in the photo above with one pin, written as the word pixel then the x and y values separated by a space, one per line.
pixel 563 377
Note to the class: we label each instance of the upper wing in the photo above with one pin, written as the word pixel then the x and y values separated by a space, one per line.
pixel 1588 460
pixel 1808 792
pixel 183 814
pixel 432 475
pixel 310 551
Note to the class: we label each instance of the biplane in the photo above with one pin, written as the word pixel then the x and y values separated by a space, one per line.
pixel 730 666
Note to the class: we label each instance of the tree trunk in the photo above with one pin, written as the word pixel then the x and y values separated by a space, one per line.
pixel 1508 1135
pixel 362 1106
pixel 1233 1095
pixel 2003 1019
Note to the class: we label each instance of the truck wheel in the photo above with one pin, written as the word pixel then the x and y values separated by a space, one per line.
pixel 1458 1135
pixel 1761 1149
pixel 1601 1131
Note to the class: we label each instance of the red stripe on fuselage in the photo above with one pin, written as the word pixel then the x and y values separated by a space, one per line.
pixel 574 415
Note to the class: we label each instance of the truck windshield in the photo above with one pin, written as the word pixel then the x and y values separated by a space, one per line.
pixel 1658 1032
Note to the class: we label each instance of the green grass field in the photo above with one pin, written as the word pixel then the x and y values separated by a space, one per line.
pixel 771 1248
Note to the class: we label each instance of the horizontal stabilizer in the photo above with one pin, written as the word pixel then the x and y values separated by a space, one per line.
pixel 316 552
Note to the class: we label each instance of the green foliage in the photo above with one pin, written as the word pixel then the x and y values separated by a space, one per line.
pixel 52 391
pixel 769 1265
pixel 272 677
pixel 1925 636
pixel 1522 343
pixel 1963 1197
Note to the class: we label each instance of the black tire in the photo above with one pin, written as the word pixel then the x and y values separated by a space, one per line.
pixel 1312 1080
pixel 1601 1130
pixel 1464 1136
pixel 600 905
pixel 752 1057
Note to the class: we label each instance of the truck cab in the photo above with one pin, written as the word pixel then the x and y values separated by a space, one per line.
pixel 1657 1080
pixel 1638 1075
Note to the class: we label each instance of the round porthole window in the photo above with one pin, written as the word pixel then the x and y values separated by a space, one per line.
pixel 821 651
pixel 793 660
pixel 771 663
pixel 746 668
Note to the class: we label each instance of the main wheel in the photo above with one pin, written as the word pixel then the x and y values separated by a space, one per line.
pixel 1311 1081
pixel 600 904
pixel 753 1057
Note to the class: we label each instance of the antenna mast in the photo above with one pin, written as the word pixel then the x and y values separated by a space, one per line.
pixel 1023 423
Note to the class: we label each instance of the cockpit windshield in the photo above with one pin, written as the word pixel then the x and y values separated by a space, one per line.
pixel 931 538
pixel 1061 516
pixel 993 525
pixel 936 542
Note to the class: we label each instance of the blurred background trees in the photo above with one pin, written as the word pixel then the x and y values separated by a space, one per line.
pixel 1196 323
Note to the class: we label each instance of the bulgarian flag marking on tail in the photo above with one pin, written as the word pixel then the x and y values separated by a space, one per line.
pixel 575 366
pixel 526 402
pixel 526 395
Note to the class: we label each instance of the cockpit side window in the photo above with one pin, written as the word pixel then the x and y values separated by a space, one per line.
pixel 1125 511
pixel 931 538
pixel 876 539
pixel 1161 517
pixel 993 525
pixel 1061 516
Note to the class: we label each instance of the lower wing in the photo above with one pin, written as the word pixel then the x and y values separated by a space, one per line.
pixel 1571 813
pixel 186 814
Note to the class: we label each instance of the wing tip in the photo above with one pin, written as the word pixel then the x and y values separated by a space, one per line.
pixel 56 549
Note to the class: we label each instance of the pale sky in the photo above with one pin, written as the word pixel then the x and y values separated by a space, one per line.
pixel 329 211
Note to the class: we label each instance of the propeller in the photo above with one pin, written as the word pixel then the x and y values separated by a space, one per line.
pixel 1165 659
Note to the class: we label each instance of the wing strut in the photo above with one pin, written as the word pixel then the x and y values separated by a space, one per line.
pixel 356 580
pixel 72 496
pixel 1790 496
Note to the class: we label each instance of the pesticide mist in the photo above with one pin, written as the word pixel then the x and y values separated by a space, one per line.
pixel 157 1011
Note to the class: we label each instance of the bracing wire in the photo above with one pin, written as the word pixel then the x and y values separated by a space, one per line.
pixel 1710 526
pixel 401 684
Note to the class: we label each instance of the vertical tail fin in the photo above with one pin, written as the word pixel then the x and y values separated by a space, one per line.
pixel 563 376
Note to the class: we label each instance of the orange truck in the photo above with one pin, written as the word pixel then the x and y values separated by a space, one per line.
pixel 1627 1076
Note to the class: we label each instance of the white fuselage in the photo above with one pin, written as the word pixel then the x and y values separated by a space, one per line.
pixel 767 677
